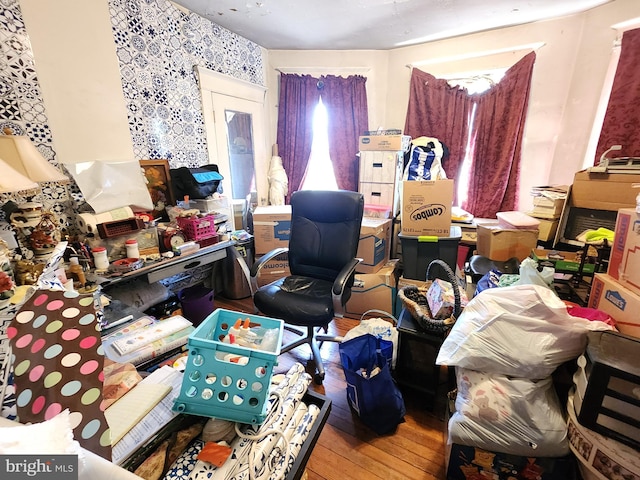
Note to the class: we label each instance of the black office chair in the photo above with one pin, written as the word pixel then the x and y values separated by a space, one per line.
pixel 325 230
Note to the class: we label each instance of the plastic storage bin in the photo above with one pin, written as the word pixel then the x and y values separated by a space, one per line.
pixel 230 389
pixel 198 228
pixel 419 252
pixel 197 303
pixel 607 383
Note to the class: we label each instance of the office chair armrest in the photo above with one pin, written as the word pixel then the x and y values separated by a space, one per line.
pixel 340 284
pixel 255 268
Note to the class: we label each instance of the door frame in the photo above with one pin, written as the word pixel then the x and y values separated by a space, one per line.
pixel 212 86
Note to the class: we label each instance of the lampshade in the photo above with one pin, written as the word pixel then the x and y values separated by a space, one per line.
pixel 13 181
pixel 23 156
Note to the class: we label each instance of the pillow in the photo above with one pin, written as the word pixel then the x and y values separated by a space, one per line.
pixel 51 437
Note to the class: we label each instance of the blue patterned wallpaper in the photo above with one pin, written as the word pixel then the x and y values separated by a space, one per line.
pixel 157 47
pixel 21 106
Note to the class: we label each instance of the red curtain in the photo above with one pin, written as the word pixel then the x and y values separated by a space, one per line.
pixel 299 96
pixel 621 124
pixel 436 109
pixel 500 120
pixel 485 128
pixel 346 103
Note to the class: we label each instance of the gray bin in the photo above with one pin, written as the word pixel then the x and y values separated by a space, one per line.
pixel 235 283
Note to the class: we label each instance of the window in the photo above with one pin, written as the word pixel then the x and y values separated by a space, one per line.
pixel 320 174
pixel 474 83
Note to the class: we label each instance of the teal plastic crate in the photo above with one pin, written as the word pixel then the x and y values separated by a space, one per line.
pixel 218 384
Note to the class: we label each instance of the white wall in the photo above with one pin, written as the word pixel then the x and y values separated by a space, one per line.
pixel 80 80
pixel 79 76
pixel 567 80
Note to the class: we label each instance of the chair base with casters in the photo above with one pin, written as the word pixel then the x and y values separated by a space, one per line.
pixel 323 242
pixel 312 337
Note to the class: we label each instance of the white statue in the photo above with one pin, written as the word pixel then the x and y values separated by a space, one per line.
pixel 278 181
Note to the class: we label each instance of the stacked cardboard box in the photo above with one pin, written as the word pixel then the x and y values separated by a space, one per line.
pixel 618 291
pixel 548 203
pixel 498 243
pixel 426 207
pixel 373 291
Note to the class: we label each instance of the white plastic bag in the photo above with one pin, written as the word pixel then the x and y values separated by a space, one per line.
pixel 522 331
pixel 516 416
pixel 379 327
pixel 529 274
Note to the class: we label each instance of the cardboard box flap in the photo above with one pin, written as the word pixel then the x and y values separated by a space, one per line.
pixel 604 191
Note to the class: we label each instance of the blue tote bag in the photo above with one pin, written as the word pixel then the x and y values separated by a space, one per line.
pixel 371 390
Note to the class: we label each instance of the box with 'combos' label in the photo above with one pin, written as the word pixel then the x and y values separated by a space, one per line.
pixel 426 207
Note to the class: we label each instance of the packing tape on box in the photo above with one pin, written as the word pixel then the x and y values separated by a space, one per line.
pixel 88 222
pixel 600 457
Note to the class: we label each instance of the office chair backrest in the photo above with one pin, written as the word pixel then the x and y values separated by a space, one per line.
pixel 325 230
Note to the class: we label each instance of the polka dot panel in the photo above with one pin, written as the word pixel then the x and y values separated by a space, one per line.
pixel 58 364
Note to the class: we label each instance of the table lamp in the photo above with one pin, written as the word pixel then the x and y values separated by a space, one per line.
pixel 13 181
pixel 24 157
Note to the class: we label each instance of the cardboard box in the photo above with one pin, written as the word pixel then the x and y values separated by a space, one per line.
pixel 426 207
pixel 569 263
pixel 378 166
pixel 604 191
pixel 373 291
pixel 384 142
pixel 547 230
pixel 274 269
pixel 623 305
pixel 502 244
pixel 624 262
pixel 271 227
pixel 374 244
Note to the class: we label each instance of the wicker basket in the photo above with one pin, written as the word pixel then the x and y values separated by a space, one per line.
pixel 414 300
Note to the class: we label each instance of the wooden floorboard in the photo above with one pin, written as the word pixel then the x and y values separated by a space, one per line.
pixel 347 449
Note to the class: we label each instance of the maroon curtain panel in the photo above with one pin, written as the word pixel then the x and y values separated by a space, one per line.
pixel 436 109
pixel 299 96
pixel 500 120
pixel 621 124
pixel 347 112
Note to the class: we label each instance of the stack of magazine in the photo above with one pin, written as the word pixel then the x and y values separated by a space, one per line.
pixel 147 339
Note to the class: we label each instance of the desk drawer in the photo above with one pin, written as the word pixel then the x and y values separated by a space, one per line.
pixel 183 266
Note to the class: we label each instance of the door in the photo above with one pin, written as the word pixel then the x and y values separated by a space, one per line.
pixel 235 120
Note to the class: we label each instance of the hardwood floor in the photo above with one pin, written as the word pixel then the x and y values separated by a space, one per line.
pixel 348 450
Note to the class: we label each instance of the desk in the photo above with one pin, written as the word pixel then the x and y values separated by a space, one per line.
pixel 168 267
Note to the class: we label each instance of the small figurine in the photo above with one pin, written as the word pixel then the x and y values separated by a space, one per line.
pixel 45 236
pixel 278 180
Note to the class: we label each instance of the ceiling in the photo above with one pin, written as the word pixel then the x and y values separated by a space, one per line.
pixel 372 24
